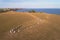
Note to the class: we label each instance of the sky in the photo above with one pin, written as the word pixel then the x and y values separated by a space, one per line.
pixel 29 3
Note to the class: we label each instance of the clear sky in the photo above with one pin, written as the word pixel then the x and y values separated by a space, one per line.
pixel 29 3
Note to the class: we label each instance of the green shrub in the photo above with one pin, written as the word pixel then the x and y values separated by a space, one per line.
pixel 32 11
pixel 41 12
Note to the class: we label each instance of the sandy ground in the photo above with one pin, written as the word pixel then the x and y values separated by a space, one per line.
pixel 35 26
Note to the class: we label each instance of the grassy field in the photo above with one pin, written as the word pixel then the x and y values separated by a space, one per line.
pixel 38 26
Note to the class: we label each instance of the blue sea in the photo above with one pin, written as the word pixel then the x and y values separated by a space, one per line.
pixel 50 11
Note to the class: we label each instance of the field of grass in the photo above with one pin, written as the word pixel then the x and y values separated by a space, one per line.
pixel 38 26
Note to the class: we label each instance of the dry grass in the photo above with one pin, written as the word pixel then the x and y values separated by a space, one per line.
pixel 39 26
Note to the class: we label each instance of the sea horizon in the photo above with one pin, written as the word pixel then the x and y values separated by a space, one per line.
pixel 47 10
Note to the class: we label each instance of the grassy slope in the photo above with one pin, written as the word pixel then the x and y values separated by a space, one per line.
pixel 46 27
pixel 10 19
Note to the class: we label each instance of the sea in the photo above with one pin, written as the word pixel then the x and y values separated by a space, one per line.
pixel 47 10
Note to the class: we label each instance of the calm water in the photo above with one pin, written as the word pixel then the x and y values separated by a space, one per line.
pixel 51 11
